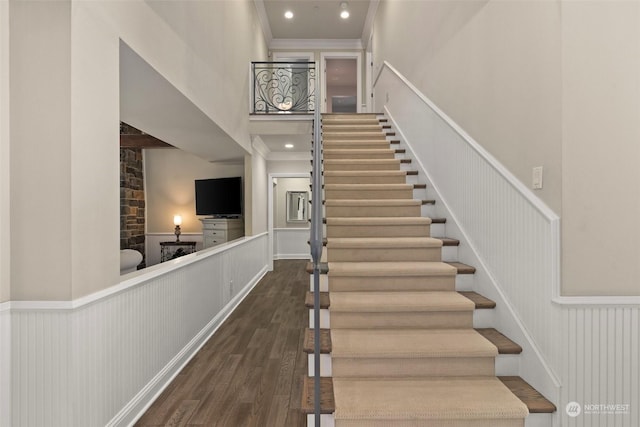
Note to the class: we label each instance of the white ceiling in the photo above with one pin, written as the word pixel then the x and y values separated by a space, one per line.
pixel 315 20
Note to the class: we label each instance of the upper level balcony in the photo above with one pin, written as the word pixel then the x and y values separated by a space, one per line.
pixel 283 88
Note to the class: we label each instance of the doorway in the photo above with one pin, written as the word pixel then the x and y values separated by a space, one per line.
pixel 342 83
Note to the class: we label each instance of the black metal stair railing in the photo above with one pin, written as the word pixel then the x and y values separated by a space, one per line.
pixel 283 87
pixel 315 240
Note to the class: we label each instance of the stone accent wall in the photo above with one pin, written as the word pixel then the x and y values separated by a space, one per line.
pixel 132 203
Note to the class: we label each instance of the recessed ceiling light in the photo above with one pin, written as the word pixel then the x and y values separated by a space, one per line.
pixel 288 14
pixel 288 145
pixel 344 14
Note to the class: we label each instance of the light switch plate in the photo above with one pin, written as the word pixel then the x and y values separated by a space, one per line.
pixel 537 178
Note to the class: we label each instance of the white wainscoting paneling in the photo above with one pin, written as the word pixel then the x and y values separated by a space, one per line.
pixel 5 365
pixel 103 361
pixel 291 243
pixel 582 349
pixel 601 347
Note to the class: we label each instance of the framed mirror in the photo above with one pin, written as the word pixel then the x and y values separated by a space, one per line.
pixel 297 206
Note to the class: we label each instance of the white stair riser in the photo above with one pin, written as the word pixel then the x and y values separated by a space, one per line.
pixel 438 230
pixel 483 318
pixel 428 210
pixel 325 365
pixel 326 420
pixel 464 282
pixel 508 365
pixel 324 283
pixel 325 323
pixel 449 253
pixel 538 420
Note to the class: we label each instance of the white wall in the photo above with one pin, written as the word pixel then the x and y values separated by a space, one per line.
pixel 64 131
pixel 43 173
pixel 552 84
pixel 280 201
pixel 169 176
pixel 259 173
pixel 5 247
pixel 601 147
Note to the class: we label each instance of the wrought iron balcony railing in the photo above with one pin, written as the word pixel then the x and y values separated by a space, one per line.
pixel 283 87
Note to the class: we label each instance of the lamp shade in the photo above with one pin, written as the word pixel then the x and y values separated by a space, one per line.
pixel 177 220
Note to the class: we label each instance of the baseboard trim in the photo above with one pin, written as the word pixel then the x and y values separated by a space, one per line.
pixel 131 412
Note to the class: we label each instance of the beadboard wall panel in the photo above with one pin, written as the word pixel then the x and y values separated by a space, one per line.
pixel 102 362
pixel 582 351
pixel 291 243
pixel 600 367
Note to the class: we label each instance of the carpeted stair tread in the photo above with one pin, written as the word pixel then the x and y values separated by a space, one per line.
pixel 309 341
pixel 536 402
pixel 504 344
pixel 410 343
pixel 350 162
pixel 368 187
pixel 463 268
pixel 373 202
pixel 480 301
pixel 346 173
pixel 338 134
pixel 383 242
pixel 395 302
pixel 372 221
pixel 358 151
pixel 351 127
pixel 327 403
pixel 432 399
pixel 390 269
pixel 325 300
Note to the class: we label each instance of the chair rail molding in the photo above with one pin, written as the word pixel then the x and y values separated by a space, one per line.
pixel 124 344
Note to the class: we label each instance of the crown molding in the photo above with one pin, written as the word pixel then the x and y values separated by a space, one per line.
pixel 318 44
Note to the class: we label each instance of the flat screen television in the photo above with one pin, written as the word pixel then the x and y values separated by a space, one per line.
pixel 219 197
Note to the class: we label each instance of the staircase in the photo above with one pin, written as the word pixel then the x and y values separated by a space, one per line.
pixel 397 322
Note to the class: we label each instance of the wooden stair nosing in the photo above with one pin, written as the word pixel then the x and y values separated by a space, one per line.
pixel 446 241
pixel 463 268
pixel 438 220
pixel 309 341
pixel 327 402
pixel 325 301
pixel 535 401
pixel 324 267
pixel 480 301
pixel 503 343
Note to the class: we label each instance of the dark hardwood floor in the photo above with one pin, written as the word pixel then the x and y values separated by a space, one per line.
pixel 250 372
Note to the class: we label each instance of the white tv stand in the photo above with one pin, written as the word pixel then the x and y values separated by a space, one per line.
pixel 216 231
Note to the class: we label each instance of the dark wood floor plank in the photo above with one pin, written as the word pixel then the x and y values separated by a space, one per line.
pixel 250 371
